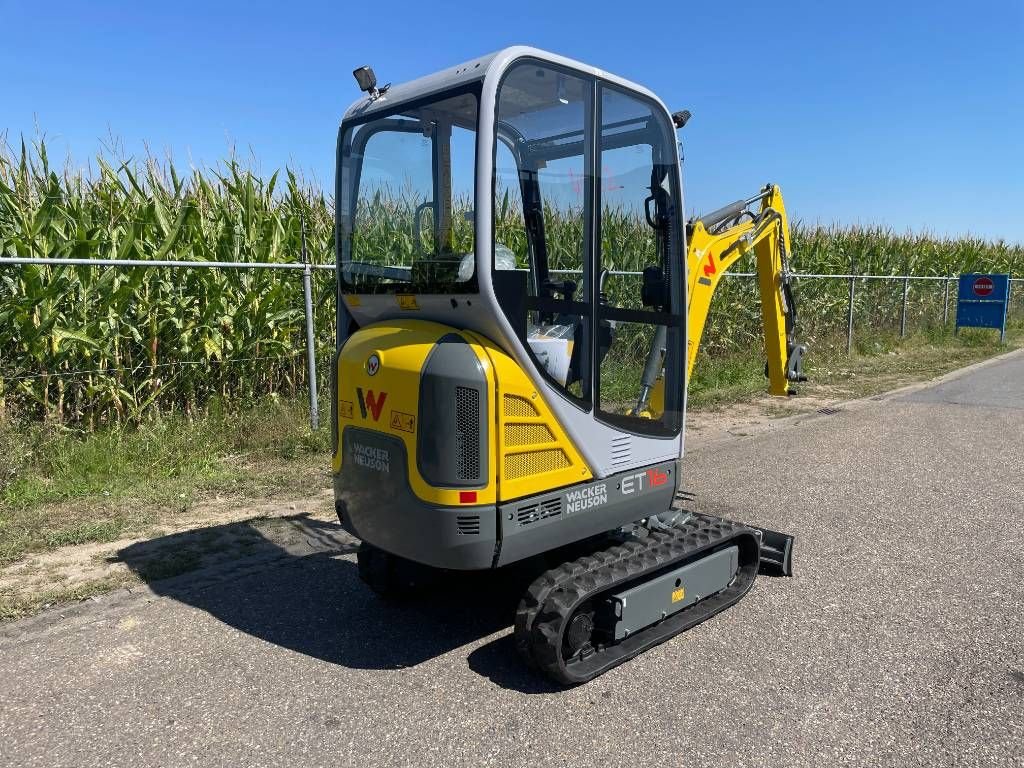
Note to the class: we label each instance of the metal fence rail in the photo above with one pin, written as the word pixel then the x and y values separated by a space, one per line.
pixel 307 268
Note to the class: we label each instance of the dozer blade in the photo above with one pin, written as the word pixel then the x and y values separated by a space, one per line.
pixel 776 553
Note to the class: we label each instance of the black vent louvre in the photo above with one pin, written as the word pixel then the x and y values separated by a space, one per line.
pixel 531 513
pixel 467 433
pixel 468 525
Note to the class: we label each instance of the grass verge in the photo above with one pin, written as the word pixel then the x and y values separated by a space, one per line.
pixel 59 487
pixel 880 362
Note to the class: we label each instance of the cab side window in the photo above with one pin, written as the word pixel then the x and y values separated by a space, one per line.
pixel 542 203
pixel 511 244
pixel 639 332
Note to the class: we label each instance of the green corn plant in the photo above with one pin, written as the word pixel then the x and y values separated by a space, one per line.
pixel 87 346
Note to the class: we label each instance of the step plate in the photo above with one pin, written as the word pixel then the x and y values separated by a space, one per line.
pixel 651 601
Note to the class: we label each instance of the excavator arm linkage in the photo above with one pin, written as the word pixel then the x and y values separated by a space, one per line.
pixel 715 242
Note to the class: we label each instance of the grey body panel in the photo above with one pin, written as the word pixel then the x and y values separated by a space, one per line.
pixel 652 600
pixel 451 443
pixel 605 448
pixel 488 67
pixel 540 523
pixel 375 503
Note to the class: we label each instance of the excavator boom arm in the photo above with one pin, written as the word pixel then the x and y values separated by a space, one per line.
pixel 715 242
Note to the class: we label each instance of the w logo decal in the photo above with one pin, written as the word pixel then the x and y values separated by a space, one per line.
pixel 373 403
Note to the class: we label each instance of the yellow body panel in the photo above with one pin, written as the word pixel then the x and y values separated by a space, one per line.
pixel 402 347
pixel 531 453
pixel 535 455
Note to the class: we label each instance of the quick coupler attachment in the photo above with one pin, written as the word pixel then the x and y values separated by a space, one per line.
pixel 795 362
pixel 776 552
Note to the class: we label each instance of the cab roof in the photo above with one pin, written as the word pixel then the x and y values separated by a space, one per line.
pixel 476 70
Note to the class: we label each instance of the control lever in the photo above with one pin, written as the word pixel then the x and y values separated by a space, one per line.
pixel 565 287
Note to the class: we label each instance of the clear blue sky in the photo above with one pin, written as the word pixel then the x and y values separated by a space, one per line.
pixel 908 114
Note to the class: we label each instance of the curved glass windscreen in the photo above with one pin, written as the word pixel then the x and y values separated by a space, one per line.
pixel 405 190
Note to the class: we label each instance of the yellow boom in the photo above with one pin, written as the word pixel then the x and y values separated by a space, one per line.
pixel 715 242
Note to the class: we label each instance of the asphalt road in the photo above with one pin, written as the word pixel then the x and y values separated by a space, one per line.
pixel 900 641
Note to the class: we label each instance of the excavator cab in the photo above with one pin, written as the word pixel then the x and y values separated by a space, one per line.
pixel 510 376
pixel 529 183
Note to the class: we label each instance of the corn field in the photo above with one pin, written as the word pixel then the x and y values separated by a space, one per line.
pixel 89 346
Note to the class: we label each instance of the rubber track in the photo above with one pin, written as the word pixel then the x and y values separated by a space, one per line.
pixel 551 598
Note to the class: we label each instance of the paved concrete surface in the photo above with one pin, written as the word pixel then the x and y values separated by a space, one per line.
pixel 899 641
pixel 990 386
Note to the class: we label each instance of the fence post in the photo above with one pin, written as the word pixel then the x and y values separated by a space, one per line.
pixel 849 314
pixel 945 303
pixel 307 289
pixel 903 310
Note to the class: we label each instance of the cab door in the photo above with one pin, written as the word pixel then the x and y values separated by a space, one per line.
pixel 588 264
pixel 639 263
pixel 543 224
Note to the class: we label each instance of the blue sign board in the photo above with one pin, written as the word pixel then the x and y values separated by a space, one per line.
pixel 982 302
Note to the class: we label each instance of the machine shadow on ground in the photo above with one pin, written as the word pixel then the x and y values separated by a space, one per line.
pixel 310 599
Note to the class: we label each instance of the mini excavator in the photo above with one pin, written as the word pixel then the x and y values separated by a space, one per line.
pixel 520 304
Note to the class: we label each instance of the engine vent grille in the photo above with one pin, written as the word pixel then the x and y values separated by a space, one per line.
pixel 519 407
pixel 527 434
pixel 531 513
pixel 468 525
pixel 622 449
pixel 467 433
pixel 519 465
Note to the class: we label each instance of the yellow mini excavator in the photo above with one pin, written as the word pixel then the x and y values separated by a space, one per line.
pixel 520 303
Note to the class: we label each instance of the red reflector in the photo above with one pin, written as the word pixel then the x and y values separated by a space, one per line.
pixel 467 497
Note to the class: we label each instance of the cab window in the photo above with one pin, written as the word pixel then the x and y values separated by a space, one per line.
pixel 588 263
pixel 542 191
pixel 639 314
pixel 406 186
